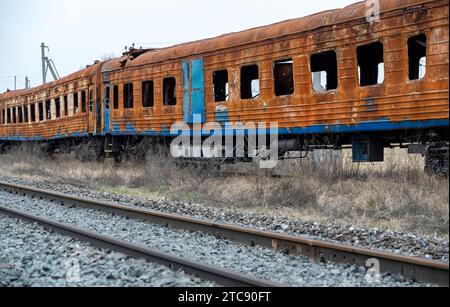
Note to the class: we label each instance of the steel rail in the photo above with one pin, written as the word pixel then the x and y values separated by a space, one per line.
pixel 419 269
pixel 206 272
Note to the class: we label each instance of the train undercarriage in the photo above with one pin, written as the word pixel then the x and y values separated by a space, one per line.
pixel 365 148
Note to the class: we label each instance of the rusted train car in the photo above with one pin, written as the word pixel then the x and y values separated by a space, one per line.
pixel 332 79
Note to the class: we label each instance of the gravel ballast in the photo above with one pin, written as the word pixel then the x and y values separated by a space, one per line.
pixel 255 261
pixel 384 240
pixel 32 257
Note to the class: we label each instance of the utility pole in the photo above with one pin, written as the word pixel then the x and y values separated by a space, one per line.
pixel 15 83
pixel 44 73
pixel 27 82
pixel 48 64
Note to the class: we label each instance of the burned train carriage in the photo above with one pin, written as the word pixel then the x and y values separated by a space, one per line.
pixel 331 79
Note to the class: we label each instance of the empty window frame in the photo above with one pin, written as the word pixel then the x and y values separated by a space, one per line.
pixel 33 112
pixel 14 115
pixel 41 111
pixel 128 96
pixel 170 91
pixel 148 88
pixel 116 97
pixel 417 54
pixel 220 86
pixel 283 75
pixel 25 114
pixel 83 101
pixel 8 116
pixel 324 71
pixel 75 103
pixel 66 106
pixel 58 107
pixel 48 111
pixel 3 117
pixel 370 64
pixel 20 115
pixel 107 97
pixel 250 88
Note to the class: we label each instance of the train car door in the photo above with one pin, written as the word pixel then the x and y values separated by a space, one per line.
pixel 107 109
pixel 98 113
pixel 92 127
pixel 194 92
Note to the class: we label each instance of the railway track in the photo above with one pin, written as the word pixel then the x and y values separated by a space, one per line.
pixel 207 272
pixel 419 269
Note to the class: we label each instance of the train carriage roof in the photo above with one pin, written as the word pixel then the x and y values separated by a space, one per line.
pixel 328 18
pixel 85 73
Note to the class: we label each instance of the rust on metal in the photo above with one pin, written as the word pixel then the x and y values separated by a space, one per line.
pixel 396 100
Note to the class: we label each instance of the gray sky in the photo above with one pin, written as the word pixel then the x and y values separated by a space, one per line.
pixel 81 31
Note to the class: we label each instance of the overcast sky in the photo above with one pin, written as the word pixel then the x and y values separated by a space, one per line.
pixel 81 31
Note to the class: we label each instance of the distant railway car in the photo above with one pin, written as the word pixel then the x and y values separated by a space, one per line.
pixel 328 80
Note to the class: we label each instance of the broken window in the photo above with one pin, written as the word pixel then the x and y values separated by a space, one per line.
pixel 221 86
pixel 14 115
pixel 250 82
pixel 75 103
pixel 25 114
pixel 9 116
pixel 417 52
pixel 170 91
pixel 148 94
pixel 20 114
pixel 83 101
pixel 128 96
pixel 48 111
pixel 107 97
pixel 58 107
pixel 33 112
pixel 283 72
pixel 3 117
pixel 66 106
pixel 324 71
pixel 41 111
pixel 116 97
pixel 370 64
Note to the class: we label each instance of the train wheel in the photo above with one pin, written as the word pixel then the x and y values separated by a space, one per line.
pixel 436 160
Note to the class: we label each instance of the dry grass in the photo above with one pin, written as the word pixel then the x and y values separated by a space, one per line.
pixel 395 194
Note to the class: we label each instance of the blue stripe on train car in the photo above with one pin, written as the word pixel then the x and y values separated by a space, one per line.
pixel 325 129
pixel 222 116
pixel 318 129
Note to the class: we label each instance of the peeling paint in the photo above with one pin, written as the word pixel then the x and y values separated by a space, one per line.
pixel 398 103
